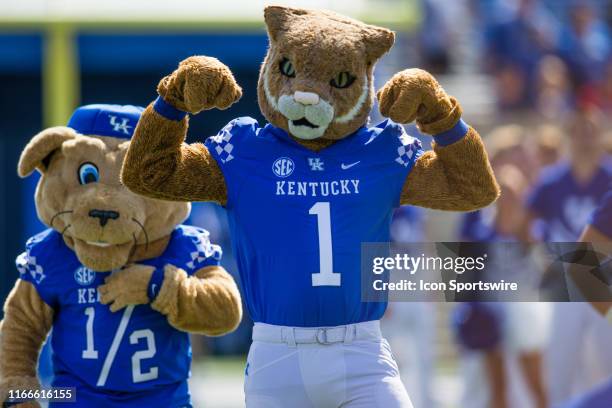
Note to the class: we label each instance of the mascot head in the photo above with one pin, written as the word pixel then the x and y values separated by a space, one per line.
pixel 316 80
pixel 80 195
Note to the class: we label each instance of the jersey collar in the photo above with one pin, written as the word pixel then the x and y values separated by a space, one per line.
pixel 354 140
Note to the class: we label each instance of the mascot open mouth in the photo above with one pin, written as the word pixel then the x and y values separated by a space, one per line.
pixel 304 122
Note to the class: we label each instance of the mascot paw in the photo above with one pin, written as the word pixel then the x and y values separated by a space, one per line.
pixel 200 83
pixel 126 287
pixel 411 95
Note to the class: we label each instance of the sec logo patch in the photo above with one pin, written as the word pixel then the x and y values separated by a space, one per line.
pixel 84 276
pixel 283 167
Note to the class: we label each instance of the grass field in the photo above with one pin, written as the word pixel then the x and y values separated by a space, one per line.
pixel 217 383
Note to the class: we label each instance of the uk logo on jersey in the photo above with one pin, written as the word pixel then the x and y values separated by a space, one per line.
pixel 283 167
pixel 316 164
pixel 84 276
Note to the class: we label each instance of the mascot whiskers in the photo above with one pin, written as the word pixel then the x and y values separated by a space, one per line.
pixel 116 276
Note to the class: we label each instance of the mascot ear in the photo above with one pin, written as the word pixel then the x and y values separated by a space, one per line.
pixel 278 18
pixel 378 42
pixel 39 150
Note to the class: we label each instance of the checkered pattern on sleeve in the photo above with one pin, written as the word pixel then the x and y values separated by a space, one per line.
pixel 29 269
pixel 223 147
pixel 204 252
pixel 409 147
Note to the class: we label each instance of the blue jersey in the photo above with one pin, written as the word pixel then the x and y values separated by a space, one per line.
pixel 298 217
pixel 563 205
pixel 131 355
pixel 602 217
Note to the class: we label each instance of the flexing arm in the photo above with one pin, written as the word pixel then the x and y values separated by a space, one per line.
pixel 27 321
pixel 456 175
pixel 158 163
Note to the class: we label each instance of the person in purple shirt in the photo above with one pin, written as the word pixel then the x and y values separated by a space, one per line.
pixel 599 233
pixel 566 194
pixel 560 206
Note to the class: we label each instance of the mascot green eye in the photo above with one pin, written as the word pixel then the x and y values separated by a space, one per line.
pixel 342 80
pixel 88 173
pixel 286 68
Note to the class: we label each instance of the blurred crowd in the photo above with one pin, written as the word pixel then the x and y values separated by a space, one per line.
pixel 551 66
pixel 547 56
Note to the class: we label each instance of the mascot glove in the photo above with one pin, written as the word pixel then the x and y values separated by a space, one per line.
pixel 200 83
pixel 414 94
pixel 126 287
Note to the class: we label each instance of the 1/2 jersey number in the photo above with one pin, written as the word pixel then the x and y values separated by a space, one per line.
pixel 326 275
pixel 91 353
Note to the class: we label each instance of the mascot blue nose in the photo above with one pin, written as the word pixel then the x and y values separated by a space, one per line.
pixel 103 216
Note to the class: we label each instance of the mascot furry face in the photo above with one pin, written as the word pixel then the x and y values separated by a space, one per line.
pixel 316 80
pixel 79 193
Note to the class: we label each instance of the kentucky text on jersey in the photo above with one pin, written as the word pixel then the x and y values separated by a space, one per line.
pixel 298 217
pixel 132 355
pixel 317 189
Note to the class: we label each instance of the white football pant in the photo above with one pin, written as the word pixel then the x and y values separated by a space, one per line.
pixel 340 367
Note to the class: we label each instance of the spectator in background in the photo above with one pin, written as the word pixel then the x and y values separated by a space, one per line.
pixel 549 141
pixel 584 44
pixel 562 200
pixel 410 327
pixel 434 37
pixel 599 234
pixel 607 142
pixel 516 357
pixel 566 194
pixel 514 48
pixel 506 145
pixel 554 90
pixel 605 90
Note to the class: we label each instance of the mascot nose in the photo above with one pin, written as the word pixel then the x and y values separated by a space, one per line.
pixel 103 216
pixel 306 98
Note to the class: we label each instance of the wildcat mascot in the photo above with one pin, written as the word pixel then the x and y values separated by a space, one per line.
pixel 305 190
pixel 115 276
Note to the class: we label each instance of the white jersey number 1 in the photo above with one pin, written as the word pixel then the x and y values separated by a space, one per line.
pixel 326 275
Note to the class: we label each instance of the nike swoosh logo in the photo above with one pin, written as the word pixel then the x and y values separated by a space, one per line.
pixel 348 166
pixel 154 288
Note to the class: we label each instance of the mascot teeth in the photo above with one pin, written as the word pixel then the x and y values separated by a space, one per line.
pixel 98 244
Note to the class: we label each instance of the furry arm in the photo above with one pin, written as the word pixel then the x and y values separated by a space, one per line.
pixel 207 303
pixel 158 163
pixel 457 177
pixel 457 174
pixel 27 321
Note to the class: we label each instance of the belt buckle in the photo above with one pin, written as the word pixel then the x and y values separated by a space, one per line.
pixel 322 337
